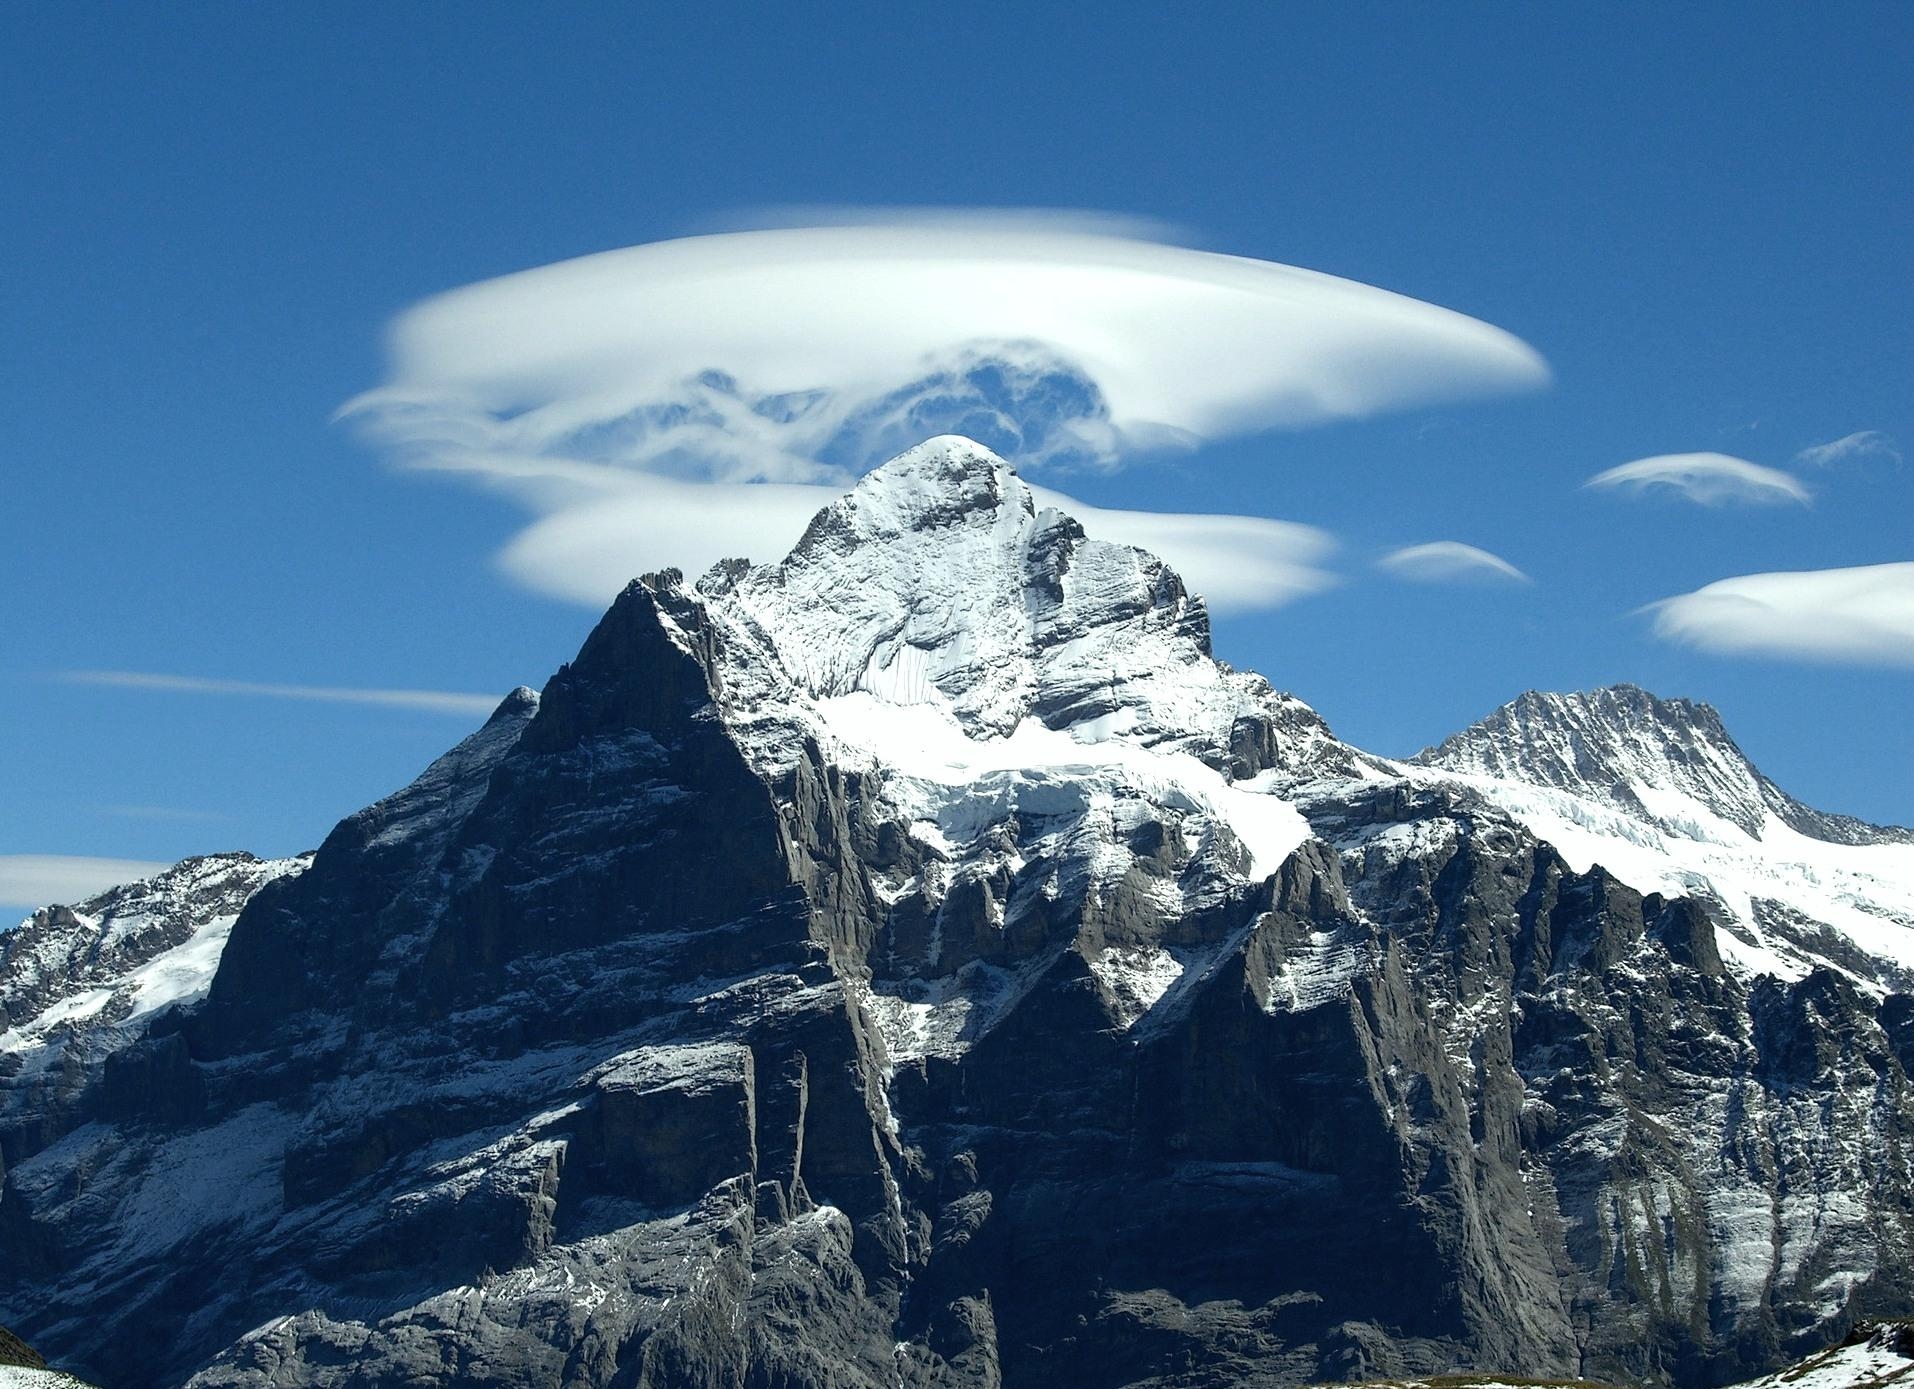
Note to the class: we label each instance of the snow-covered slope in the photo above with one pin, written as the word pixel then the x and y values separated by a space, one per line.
pixel 22 1377
pixel 1005 680
pixel 112 961
pixel 1876 1357
pixel 1657 792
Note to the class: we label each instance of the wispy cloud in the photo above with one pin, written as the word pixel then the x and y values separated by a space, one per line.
pixel 1861 616
pixel 29 881
pixel 1712 479
pixel 427 701
pixel 1867 445
pixel 1449 561
pixel 675 402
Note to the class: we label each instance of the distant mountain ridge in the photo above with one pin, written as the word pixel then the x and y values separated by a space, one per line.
pixel 916 960
pixel 1633 749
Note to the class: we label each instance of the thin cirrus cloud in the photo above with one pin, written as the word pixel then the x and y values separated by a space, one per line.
pixel 1449 562
pixel 680 401
pixel 1863 446
pixel 1859 616
pixel 425 701
pixel 1712 479
pixel 28 881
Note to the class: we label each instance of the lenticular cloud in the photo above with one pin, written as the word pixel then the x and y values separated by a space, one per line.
pixel 806 355
pixel 1712 479
pixel 1448 561
pixel 1863 615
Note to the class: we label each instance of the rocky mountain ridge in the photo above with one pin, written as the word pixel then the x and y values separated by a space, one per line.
pixel 917 961
pixel 1657 759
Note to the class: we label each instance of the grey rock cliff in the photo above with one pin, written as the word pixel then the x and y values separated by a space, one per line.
pixel 917 962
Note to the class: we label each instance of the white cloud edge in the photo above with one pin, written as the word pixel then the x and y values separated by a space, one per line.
pixel 1710 479
pixel 1861 615
pixel 1448 561
pixel 31 881
pixel 426 701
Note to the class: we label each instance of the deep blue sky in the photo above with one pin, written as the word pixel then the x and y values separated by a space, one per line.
pixel 1701 219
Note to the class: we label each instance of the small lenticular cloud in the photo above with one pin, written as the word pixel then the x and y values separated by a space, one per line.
pixel 1711 479
pixel 1449 562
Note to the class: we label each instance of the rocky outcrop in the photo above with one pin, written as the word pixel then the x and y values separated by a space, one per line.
pixel 918 962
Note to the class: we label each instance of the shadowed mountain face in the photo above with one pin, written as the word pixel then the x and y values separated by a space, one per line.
pixel 917 961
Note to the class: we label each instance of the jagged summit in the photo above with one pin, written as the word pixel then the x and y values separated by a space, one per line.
pixel 938 482
pixel 939 579
pixel 1667 760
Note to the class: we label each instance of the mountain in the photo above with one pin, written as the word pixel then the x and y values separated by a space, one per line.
pixel 1670 762
pixel 918 961
pixel 1658 793
pixel 79 983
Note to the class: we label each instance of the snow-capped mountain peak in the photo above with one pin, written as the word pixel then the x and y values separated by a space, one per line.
pixel 1657 792
pixel 1669 761
pixel 1620 745
pixel 939 579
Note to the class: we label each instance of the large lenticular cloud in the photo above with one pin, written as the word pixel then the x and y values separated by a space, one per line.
pixel 806 355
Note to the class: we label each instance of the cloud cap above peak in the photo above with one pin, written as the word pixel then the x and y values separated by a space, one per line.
pixel 1712 479
pixel 672 403
pixel 1859 616
pixel 764 354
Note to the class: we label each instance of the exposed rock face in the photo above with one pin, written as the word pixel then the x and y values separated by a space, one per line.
pixel 17 1353
pixel 918 962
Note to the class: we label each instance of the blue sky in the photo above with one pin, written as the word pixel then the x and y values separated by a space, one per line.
pixel 1700 221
